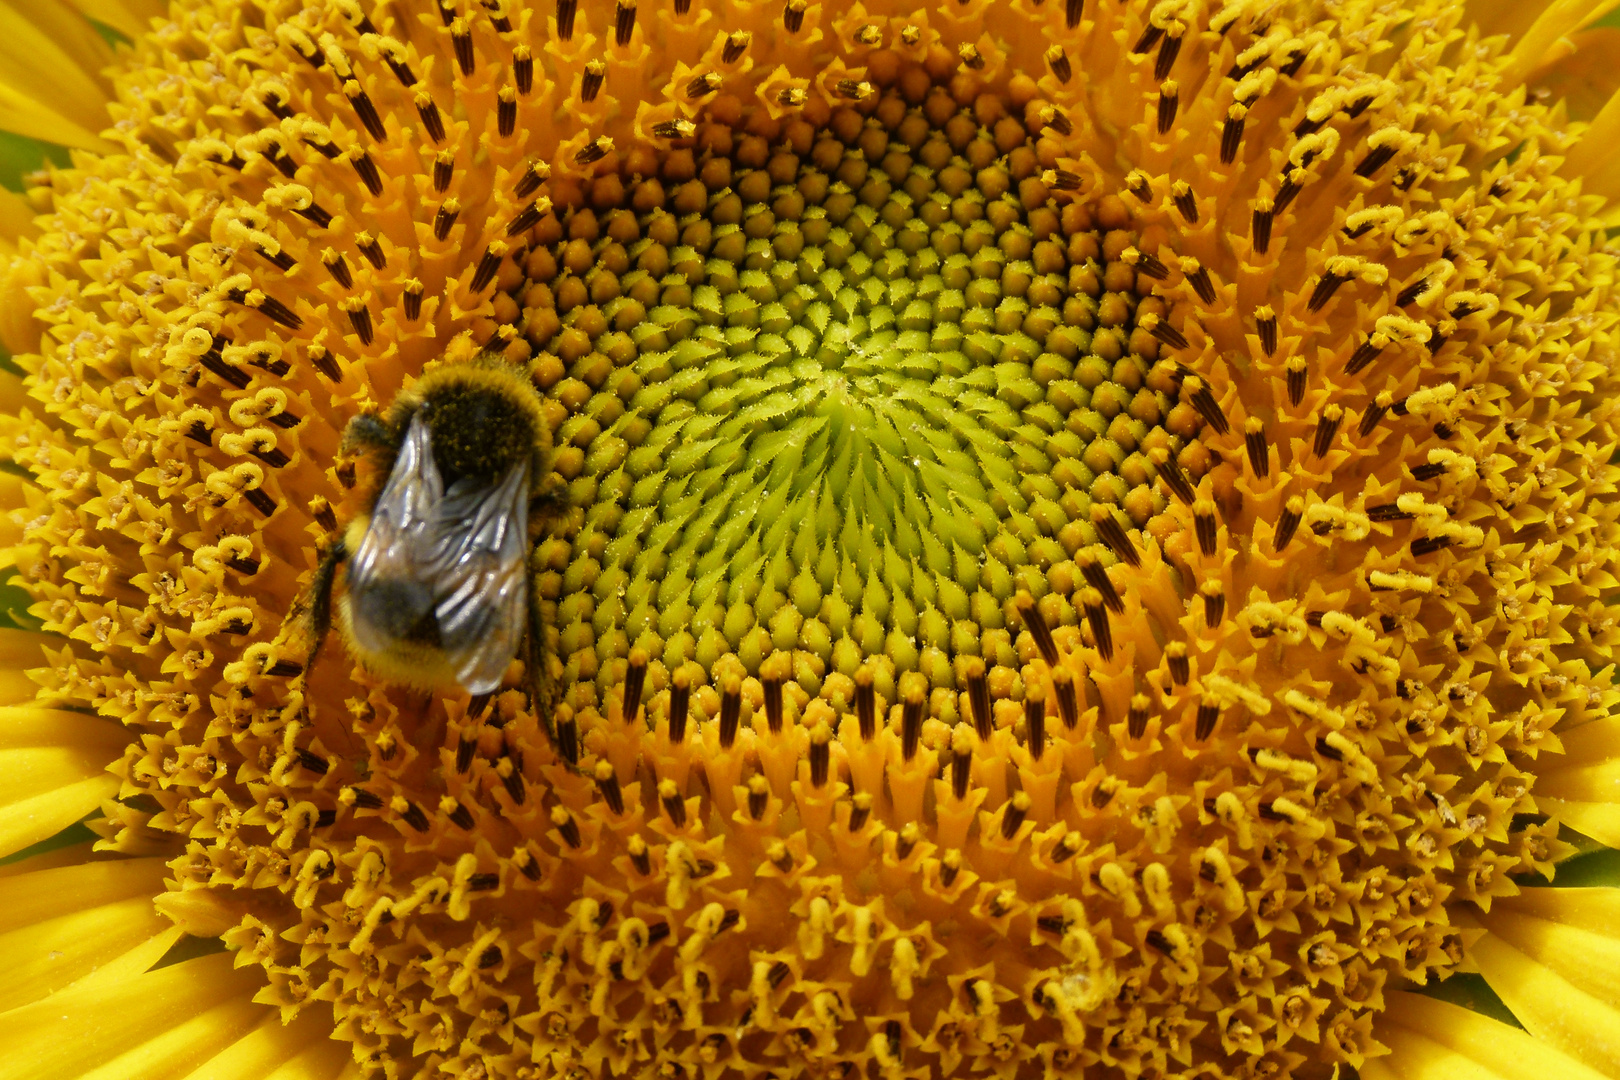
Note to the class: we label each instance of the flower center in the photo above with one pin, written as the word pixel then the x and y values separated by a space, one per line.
pixel 878 379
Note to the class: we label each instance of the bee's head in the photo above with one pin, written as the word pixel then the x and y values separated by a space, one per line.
pixel 482 420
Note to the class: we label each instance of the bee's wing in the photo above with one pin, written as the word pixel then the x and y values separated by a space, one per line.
pixel 479 570
pixel 388 594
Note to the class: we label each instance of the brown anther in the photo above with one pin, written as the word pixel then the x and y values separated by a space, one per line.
pixel 366 169
pixel 1091 602
pixel 444 219
pixel 432 122
pixel 1160 327
pixel 759 793
pixel 703 85
pixel 1169 102
pixel 607 782
pixel 1136 719
pixel 1013 814
pixel 1150 37
pixel 1214 595
pixel 566 10
pixel 860 811
pixel 512 777
pixel 906 842
pixel 594 151
pixel 1374 413
pixel 1138 183
pixel 327 365
pixel 523 69
pixel 412 299
pixel 792 97
pixel 1181 193
pixel 536 173
pixel 1030 612
pixel 914 701
pixel 1326 286
pixel 869 35
pixel 1171 474
pixel 865 703
pixel 1198 276
pixel 506 111
pixel 1061 180
pixel 675 806
pixel 1205 526
pixel 1058 61
pixel 961 760
pixel 338 267
pixel 737 43
pixel 410 813
pixel 1146 263
pixel 488 264
pixel 1054 118
pixel 1265 326
pixel 458 814
pixel 1113 533
pixel 793 15
pixel 1068 704
pixel 526 864
pixel 1287 522
pixel 1294 376
pixel 640 857
pixel 444 168
pixel 1096 575
pixel 567 735
pixel 1232 132
pixel 529 216
pixel 1209 714
pixel 1035 719
pixel 969 55
pixel 978 689
pixel 1365 353
pixel 675 129
pixel 591 80
pixel 1175 655
pixel 851 90
pixel 950 864
pixel 680 696
pixel 461 40
pixel 1259 450
pixel 730 710
pixel 1327 426
pixel 1066 848
pixel 779 856
pixel 820 754
pixel 1260 228
pixel 359 318
pixel 624 22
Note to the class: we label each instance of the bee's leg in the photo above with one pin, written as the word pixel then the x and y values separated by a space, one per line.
pixel 534 673
pixel 319 614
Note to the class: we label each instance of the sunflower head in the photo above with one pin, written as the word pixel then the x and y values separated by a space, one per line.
pixel 1080 533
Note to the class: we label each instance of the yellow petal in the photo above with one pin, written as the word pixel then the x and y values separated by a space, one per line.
pixel 90 922
pixel 302 1050
pixel 1435 1040
pixel 163 1024
pixel 129 17
pixel 49 55
pixel 52 771
pixel 1582 785
pixel 1545 40
pixel 1548 1004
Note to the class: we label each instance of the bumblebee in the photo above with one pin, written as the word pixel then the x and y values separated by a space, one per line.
pixel 437 584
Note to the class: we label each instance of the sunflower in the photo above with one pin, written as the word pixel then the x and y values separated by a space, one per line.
pixel 1088 542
